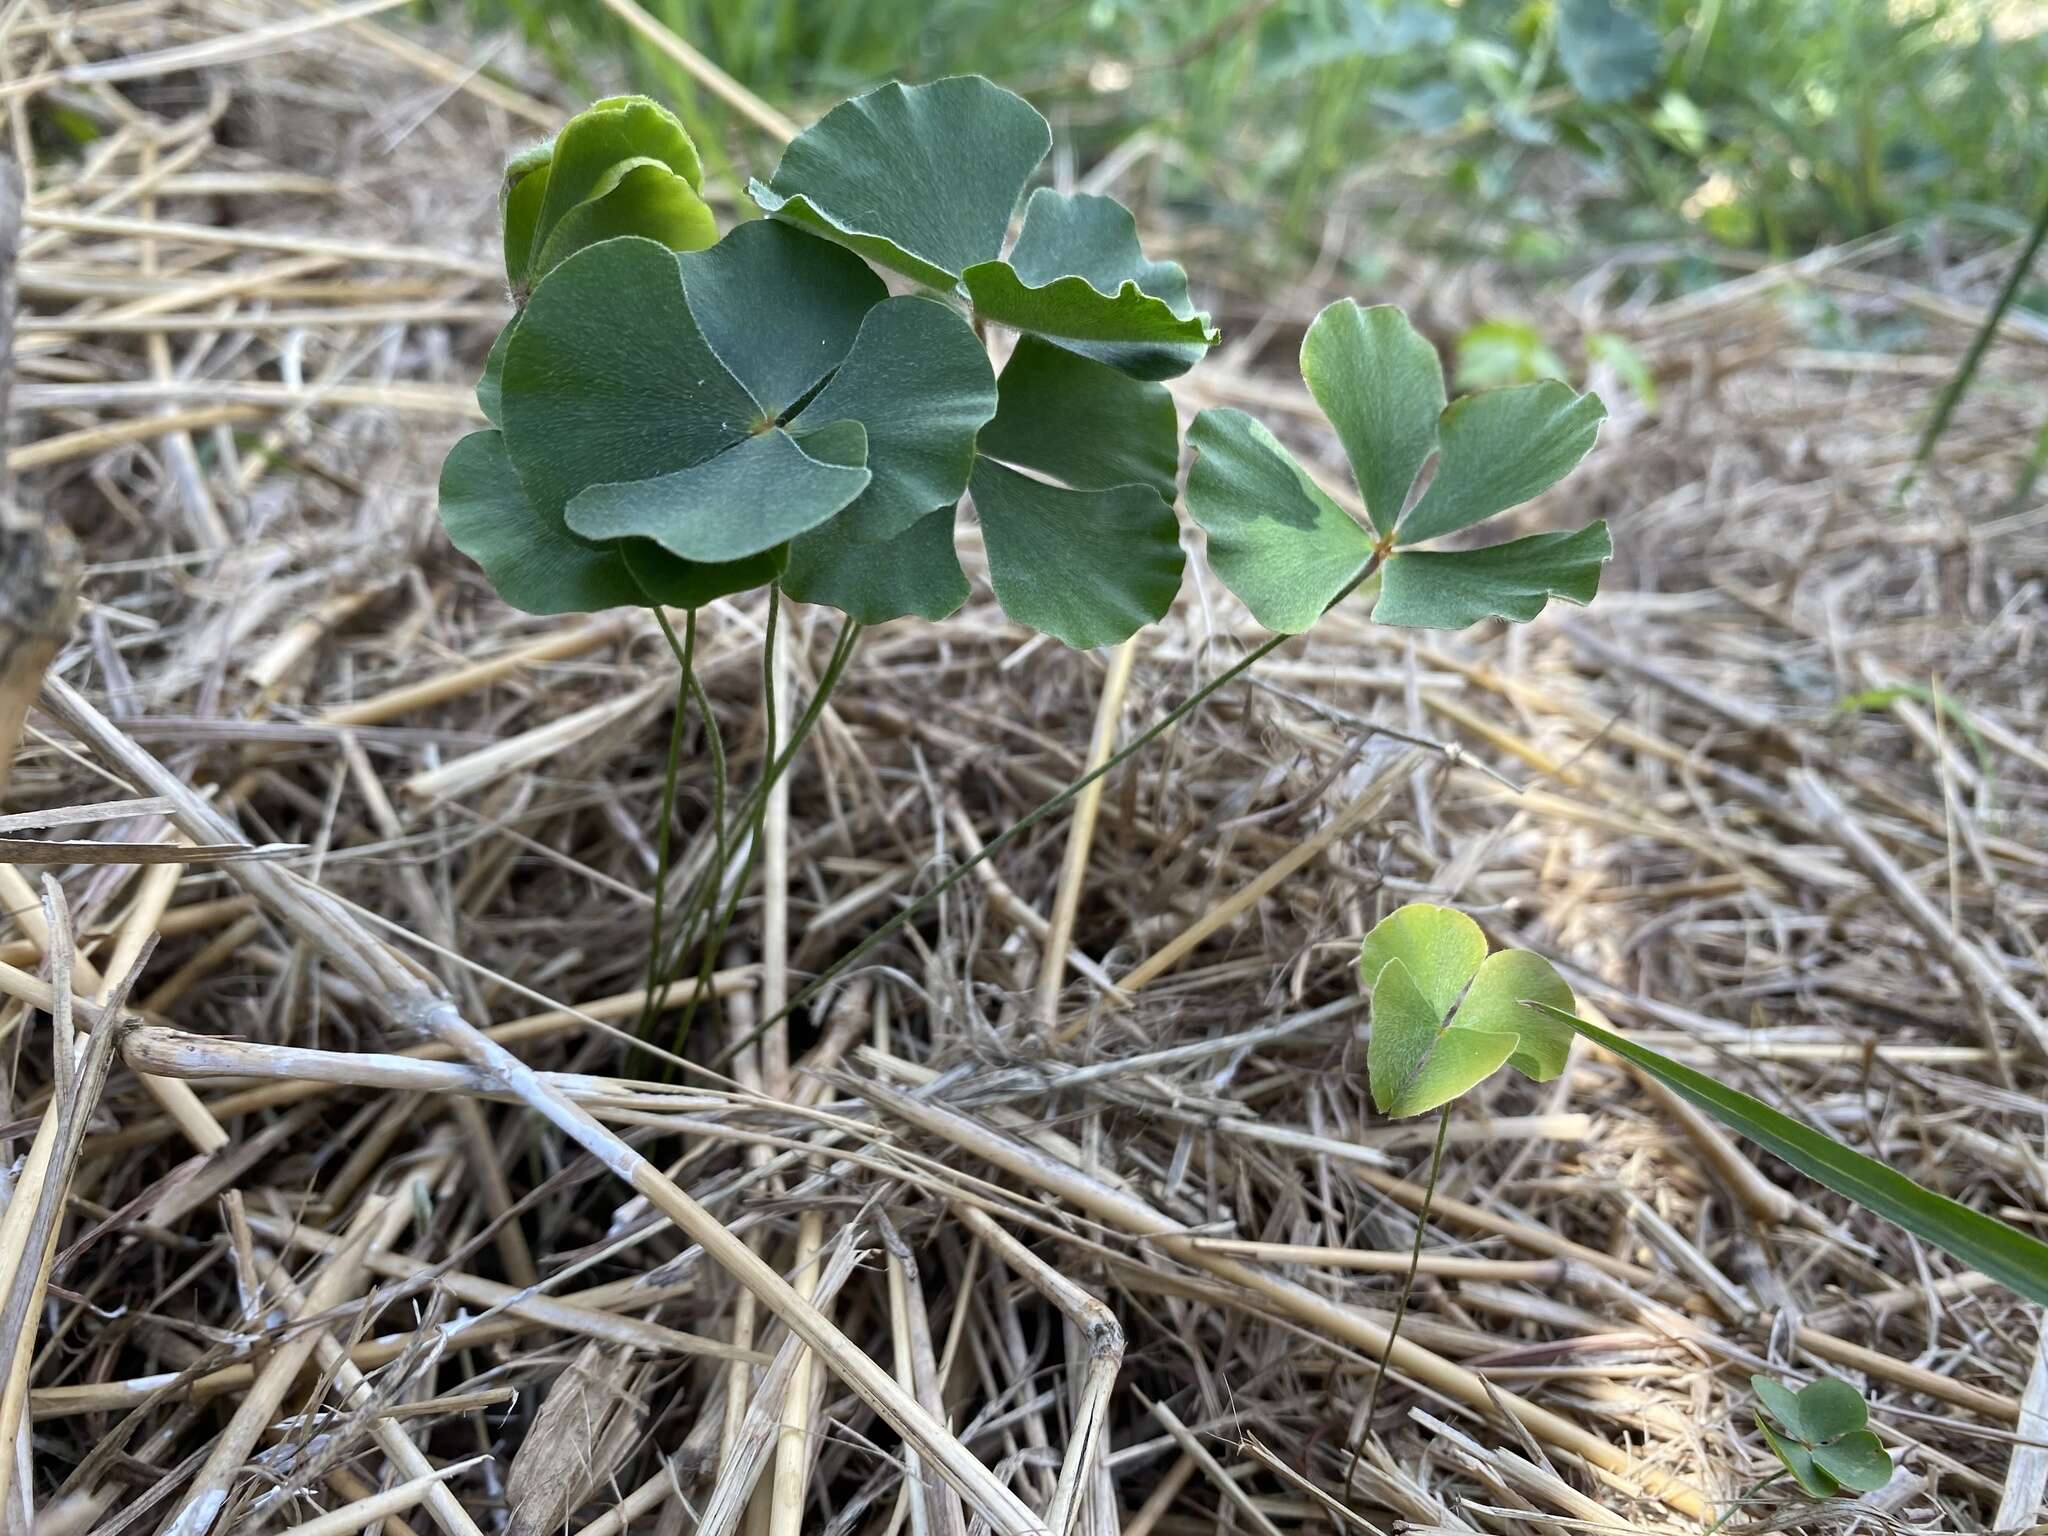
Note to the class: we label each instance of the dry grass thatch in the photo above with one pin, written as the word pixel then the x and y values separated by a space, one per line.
pixel 1063 1242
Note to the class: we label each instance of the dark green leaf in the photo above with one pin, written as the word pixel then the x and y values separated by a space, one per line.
pixel 1498 448
pixel 1799 1462
pixel 779 307
pixel 1428 589
pixel 531 559
pixel 915 574
pixel 1082 422
pixel 1275 539
pixel 756 495
pixel 608 378
pixel 679 583
pixel 1087 567
pixel 2008 1255
pixel 920 383
pixel 1379 382
pixel 490 389
pixel 921 178
pixel 1858 1461
pixel 1608 52
pixel 1830 1409
pixel 1782 1403
pixel 1078 273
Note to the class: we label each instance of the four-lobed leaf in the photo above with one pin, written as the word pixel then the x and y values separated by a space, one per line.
pixel 1819 1432
pixel 1446 1015
pixel 1284 546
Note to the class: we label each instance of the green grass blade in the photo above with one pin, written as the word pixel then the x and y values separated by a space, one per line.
pixel 2005 1253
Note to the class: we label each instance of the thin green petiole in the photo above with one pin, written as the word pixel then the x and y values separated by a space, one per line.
pixel 1735 1508
pixel 1032 818
pixel 685 652
pixel 1372 1399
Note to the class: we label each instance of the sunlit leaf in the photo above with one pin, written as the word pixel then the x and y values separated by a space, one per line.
pixel 920 383
pixel 1275 539
pixel 1440 947
pixel 1493 1004
pixel 1378 380
pixel 1416 1063
pixel 1499 448
pixel 760 493
pixel 920 178
pixel 1428 589
pixel 1088 568
pixel 778 307
pixel 1082 422
pixel 1077 273
pixel 2008 1255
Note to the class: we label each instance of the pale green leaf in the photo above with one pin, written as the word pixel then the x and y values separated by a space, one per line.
pixel 1413 1062
pixel 519 212
pixel 780 308
pixel 916 574
pixel 1088 568
pixel 587 161
pixel 1082 422
pixel 648 200
pixel 1432 589
pixel 1782 1403
pixel 1275 539
pixel 760 493
pixel 1497 449
pixel 1493 1004
pixel 920 383
pixel 1440 947
pixel 1858 1461
pixel 1078 273
pixel 920 178
pixel 2010 1256
pixel 1378 380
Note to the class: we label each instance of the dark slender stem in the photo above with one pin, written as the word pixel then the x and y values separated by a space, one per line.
pixel 1372 1399
pixel 1032 818
pixel 1952 392
pixel 685 652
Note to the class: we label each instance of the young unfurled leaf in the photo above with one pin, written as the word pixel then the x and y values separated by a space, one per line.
pixel 1379 381
pixel 1450 589
pixel 1078 274
pixel 622 166
pixel 1498 449
pixel 1286 550
pixel 1446 1015
pixel 2012 1257
pixel 920 178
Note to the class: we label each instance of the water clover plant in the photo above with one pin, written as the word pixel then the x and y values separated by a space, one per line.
pixel 675 420
pixel 1820 1433
pixel 1287 549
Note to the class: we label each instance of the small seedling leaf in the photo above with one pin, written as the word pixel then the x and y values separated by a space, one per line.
pixel 1799 1462
pixel 1493 1005
pixel 1440 948
pixel 1088 568
pixel 779 308
pixel 916 574
pixel 1077 273
pixel 1781 1403
pixel 920 178
pixel 1829 1409
pixel 1858 1461
pixel 1082 422
pixel 762 492
pixel 920 383
pixel 1499 448
pixel 1275 539
pixel 1379 381
pixel 1450 589
pixel 2008 1255
pixel 1415 1063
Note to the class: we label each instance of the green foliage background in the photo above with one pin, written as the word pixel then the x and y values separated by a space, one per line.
pixel 1775 124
